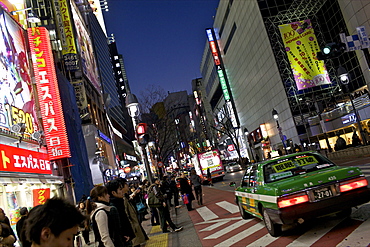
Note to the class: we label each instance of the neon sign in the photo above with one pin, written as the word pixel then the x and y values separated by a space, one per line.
pixel 48 93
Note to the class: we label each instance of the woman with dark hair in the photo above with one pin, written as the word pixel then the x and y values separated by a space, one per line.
pixel 104 218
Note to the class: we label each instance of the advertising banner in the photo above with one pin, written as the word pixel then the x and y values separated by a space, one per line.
pixel 86 50
pixel 65 30
pixel 14 159
pixel 48 93
pixel 17 104
pixel 301 47
pixel 40 196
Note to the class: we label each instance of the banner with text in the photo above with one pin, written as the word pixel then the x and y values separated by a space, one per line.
pixel 301 47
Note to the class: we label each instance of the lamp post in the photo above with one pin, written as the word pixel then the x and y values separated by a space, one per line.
pixel 275 115
pixel 132 105
pixel 246 132
pixel 344 79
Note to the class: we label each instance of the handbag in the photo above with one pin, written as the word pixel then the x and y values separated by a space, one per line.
pixel 140 206
pixel 185 198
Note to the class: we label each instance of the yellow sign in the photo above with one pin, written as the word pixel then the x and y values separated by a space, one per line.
pixel 284 166
pixel 301 47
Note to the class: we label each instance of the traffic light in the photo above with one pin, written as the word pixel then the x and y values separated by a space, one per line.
pixel 331 50
pixel 141 135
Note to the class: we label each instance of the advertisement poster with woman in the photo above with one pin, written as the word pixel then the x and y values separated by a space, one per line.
pixel 17 103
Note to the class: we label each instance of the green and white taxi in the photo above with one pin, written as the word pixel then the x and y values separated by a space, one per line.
pixel 297 187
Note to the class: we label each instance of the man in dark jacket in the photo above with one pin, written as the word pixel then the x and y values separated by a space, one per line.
pixel 116 199
pixel 185 189
pixel 23 212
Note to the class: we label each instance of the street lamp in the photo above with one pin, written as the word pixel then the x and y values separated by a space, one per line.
pixel 275 115
pixel 132 106
pixel 246 132
pixel 344 79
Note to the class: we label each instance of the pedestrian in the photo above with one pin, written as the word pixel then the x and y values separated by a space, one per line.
pixel 119 194
pixel 355 139
pixel 53 224
pixel 175 191
pixel 196 181
pixel 209 177
pixel 186 191
pixel 340 143
pixel 137 200
pixel 105 218
pixel 166 190
pixel 157 200
pixel 19 226
pixel 7 233
pixel 85 225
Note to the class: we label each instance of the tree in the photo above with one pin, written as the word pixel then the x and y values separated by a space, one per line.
pixel 224 126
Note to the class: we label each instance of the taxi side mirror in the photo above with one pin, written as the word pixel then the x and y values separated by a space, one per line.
pixel 232 184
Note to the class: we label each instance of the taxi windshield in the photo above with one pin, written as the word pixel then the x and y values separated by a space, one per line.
pixel 294 166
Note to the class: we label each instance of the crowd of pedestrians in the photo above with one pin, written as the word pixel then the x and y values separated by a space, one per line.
pixel 114 213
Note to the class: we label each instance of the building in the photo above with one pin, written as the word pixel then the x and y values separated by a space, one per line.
pixel 256 70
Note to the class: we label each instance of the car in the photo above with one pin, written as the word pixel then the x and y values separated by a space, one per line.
pixel 233 167
pixel 294 188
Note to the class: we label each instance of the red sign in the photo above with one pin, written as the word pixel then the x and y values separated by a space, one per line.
pixel 40 196
pixel 48 93
pixel 14 159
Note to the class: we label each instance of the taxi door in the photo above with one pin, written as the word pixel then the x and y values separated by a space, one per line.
pixel 249 185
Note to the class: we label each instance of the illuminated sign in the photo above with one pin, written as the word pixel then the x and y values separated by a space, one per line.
pixel 65 28
pixel 14 159
pixel 17 104
pixel 40 196
pixel 104 137
pixel 349 118
pixel 223 84
pixel 48 93
pixel 301 47
pixel 213 47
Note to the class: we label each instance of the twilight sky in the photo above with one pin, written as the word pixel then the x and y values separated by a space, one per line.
pixel 162 41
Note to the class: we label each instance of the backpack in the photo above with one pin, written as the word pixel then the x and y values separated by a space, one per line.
pixel 153 201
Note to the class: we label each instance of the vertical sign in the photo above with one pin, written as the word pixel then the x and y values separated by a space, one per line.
pixel 225 86
pixel 301 47
pixel 40 196
pixel 48 93
pixel 64 26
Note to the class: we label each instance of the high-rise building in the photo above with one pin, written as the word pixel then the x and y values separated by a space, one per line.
pixel 268 60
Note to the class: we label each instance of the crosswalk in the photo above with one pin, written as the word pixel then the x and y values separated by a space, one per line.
pixel 219 224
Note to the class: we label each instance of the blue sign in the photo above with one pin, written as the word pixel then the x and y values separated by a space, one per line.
pixel 104 137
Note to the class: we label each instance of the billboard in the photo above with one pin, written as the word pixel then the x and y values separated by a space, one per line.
pixel 48 93
pixel 301 47
pixel 86 50
pixel 17 104
pixel 65 30
pixel 14 159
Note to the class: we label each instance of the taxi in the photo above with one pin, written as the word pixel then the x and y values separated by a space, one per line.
pixel 293 188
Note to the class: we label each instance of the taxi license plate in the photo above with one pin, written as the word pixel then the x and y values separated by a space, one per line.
pixel 323 193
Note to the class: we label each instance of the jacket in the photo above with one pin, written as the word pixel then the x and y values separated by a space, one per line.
pixel 125 228
pixel 195 180
pixel 140 235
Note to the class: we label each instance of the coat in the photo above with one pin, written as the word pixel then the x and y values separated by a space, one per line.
pixel 185 188
pixel 126 229
pixel 140 234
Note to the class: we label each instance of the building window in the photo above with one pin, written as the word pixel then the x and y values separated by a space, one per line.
pixel 231 35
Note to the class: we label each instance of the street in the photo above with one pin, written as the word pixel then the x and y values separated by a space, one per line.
pixel 218 222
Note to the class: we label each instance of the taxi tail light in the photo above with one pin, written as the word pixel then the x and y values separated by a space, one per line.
pixel 284 202
pixel 352 184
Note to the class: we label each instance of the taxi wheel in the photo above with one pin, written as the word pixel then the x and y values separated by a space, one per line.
pixel 244 214
pixel 275 230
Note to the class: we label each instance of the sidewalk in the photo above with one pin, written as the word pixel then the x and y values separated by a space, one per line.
pixel 186 237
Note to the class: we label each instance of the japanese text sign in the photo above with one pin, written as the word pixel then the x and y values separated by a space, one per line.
pixel 48 93
pixel 14 159
pixel 40 196
pixel 301 47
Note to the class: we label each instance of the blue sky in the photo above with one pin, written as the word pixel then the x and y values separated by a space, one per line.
pixel 162 41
